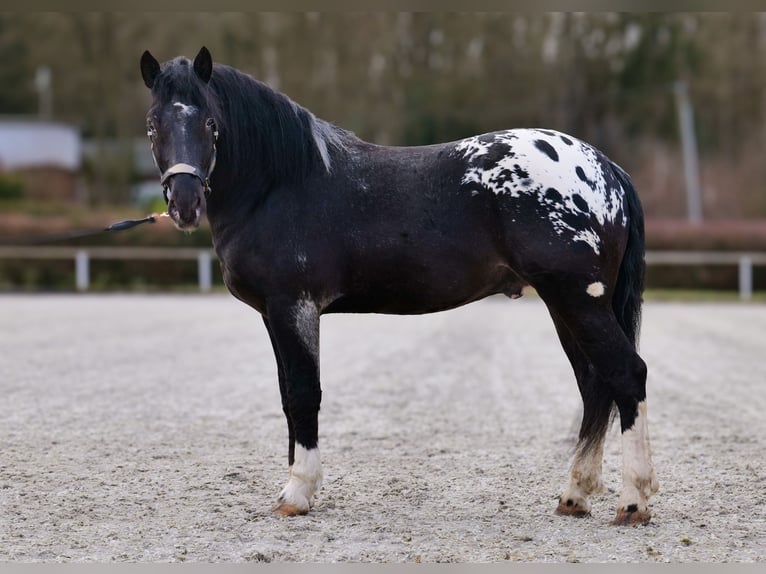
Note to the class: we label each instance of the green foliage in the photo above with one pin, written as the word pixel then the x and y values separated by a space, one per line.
pixel 11 188
pixel 16 95
pixel 662 54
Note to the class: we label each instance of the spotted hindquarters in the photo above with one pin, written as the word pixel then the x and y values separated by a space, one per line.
pixel 547 179
pixel 574 230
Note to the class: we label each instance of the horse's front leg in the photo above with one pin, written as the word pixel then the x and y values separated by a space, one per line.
pixel 294 331
pixel 283 394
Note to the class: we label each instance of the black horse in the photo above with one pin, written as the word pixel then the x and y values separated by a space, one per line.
pixel 308 219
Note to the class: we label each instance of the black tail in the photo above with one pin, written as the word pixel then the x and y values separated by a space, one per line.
pixel 628 293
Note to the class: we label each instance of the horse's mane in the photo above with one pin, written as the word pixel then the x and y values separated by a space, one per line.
pixel 262 131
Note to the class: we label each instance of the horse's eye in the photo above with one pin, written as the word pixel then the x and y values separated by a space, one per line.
pixel 151 132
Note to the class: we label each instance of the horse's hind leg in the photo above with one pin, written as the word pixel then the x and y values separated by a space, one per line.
pixel 585 477
pixel 597 333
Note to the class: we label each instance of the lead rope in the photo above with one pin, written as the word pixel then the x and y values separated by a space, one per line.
pixel 128 223
pixel 119 226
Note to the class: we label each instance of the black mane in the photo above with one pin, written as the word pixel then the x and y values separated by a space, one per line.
pixel 262 131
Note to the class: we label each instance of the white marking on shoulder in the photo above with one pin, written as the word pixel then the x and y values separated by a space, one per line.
pixel 595 289
pixel 305 478
pixel 184 109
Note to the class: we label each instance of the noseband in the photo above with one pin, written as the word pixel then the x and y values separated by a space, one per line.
pixel 185 167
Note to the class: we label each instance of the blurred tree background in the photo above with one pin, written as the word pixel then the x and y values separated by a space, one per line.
pixel 418 78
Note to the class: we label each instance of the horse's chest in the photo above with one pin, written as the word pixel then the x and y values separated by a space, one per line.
pixel 243 281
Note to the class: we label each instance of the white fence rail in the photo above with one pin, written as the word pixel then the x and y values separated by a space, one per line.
pixel 743 260
pixel 81 256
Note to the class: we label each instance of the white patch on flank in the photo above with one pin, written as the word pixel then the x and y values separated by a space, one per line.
pixel 604 204
pixel 185 110
pixel 305 479
pixel 307 325
pixel 639 481
pixel 595 289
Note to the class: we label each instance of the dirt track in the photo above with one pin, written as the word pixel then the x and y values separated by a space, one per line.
pixel 149 428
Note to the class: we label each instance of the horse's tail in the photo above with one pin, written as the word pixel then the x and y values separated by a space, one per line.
pixel 627 297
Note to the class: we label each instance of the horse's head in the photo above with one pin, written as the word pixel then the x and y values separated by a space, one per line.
pixel 182 130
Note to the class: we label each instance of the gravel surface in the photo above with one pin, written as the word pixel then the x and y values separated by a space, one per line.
pixel 149 428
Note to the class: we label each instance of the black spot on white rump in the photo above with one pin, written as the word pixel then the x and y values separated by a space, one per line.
pixel 580 203
pixel 547 149
pixel 552 194
pixel 581 174
pixel 520 172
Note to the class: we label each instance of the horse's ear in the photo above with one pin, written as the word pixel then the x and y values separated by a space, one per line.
pixel 150 69
pixel 203 65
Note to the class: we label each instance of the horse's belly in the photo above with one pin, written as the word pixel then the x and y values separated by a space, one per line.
pixel 427 292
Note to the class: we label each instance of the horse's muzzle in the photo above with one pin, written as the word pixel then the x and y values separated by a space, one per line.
pixel 186 201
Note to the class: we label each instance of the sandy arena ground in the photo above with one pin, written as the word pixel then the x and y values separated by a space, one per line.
pixel 149 428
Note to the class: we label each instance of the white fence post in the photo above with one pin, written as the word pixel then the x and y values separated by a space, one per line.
pixel 82 270
pixel 745 278
pixel 205 271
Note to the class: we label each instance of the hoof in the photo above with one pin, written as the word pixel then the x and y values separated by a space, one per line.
pixel 572 508
pixel 628 517
pixel 285 509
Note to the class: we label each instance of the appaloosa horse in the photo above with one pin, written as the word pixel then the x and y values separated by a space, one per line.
pixel 308 219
